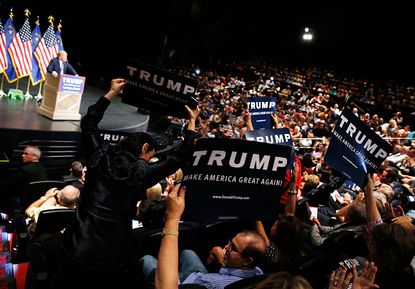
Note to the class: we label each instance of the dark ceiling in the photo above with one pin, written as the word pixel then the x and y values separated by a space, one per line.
pixel 361 39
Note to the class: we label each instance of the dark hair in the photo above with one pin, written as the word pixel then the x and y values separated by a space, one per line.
pixel 151 213
pixel 255 248
pixel 76 169
pixel 288 240
pixel 356 213
pixel 284 280
pixel 395 247
pixel 392 174
pixel 134 143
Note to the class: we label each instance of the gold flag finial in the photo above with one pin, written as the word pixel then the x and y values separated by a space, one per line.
pixel 37 21
pixel 51 19
pixel 27 13
pixel 60 25
pixel 11 15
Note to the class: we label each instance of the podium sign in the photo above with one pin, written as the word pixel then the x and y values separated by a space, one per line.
pixel 62 97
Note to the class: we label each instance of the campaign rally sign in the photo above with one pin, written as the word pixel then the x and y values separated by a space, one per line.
pixel 234 179
pixel 111 136
pixel 154 89
pixel 355 150
pixel 71 84
pixel 280 136
pixel 261 109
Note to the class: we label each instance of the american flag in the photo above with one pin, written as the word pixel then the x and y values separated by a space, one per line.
pixel 21 50
pixel 46 50
pixel 36 36
pixel 3 54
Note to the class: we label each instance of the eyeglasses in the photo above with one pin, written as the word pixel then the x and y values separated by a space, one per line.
pixel 231 247
pixel 30 154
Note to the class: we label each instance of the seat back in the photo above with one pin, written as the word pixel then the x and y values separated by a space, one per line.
pixel 34 190
pixel 52 220
pixel 318 269
pixel 44 245
pixel 343 241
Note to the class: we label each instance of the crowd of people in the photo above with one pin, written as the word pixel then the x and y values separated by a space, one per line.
pixel 98 245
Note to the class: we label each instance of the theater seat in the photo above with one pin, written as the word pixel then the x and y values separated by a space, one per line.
pixel 44 245
pixel 344 241
pixel 34 190
pixel 318 269
pixel 52 221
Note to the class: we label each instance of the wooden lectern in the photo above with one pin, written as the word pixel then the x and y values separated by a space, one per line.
pixel 62 97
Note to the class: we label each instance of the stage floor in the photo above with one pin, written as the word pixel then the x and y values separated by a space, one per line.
pixel 22 114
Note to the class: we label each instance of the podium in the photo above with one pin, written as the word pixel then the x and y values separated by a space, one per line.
pixel 62 97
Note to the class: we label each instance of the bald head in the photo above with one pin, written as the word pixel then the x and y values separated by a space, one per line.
pixel 68 196
pixel 255 246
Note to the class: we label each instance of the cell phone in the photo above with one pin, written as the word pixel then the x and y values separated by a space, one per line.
pixel 192 102
pixel 312 211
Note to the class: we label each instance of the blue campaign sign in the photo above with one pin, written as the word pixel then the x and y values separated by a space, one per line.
pixel 355 150
pixel 234 179
pixel 276 136
pixel 261 109
pixel 280 136
pixel 72 84
pixel 157 90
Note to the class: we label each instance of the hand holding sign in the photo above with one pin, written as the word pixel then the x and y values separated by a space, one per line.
pixel 355 149
pixel 175 202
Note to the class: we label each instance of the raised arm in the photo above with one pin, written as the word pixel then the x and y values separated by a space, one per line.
pixel 372 212
pixel 89 123
pixel 116 88
pixel 261 230
pixel 292 191
pixel 167 275
pixel 177 158
pixel 248 120
pixel 192 115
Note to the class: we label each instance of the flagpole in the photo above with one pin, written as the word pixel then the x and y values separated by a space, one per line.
pixel 27 94
pixel 1 86
pixel 39 94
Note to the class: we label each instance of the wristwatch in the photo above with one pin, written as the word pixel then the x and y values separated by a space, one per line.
pixel 292 192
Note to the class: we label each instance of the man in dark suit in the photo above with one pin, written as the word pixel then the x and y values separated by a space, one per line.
pixel 60 65
pixel 33 170
pixel 13 186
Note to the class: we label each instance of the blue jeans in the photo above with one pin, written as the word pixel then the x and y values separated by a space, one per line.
pixel 189 262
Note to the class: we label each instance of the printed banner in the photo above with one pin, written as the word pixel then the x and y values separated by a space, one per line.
pixel 72 84
pixel 112 137
pixel 355 150
pixel 261 109
pixel 234 179
pixel 157 90
pixel 280 136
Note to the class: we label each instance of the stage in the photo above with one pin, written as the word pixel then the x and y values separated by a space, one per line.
pixel 21 123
